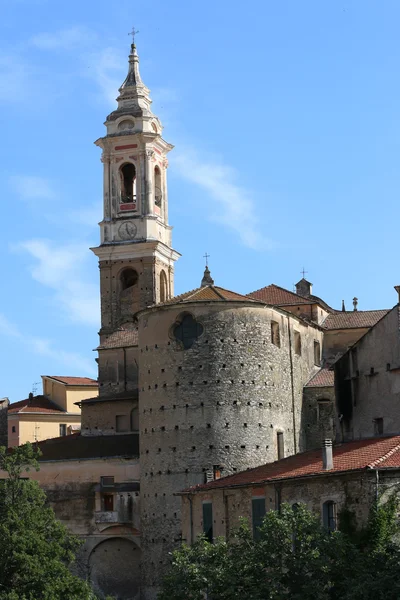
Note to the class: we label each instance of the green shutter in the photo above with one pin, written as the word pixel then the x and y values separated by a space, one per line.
pixel 208 521
pixel 258 513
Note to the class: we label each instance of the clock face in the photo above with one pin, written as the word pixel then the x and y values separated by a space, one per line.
pixel 127 231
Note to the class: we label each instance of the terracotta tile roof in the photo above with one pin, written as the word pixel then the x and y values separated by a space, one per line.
pixel 324 378
pixel 354 319
pixel 77 446
pixel 126 335
pixel 273 294
pixel 352 456
pixel 37 404
pixel 73 380
pixel 209 293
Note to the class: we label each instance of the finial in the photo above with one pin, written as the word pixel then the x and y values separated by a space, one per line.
pixel 133 33
pixel 303 272
pixel 343 306
pixel 207 279
pixel 397 288
pixel 355 303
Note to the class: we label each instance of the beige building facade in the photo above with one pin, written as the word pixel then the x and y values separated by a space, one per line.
pixel 51 414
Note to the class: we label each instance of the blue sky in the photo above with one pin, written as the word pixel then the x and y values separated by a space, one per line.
pixel 286 122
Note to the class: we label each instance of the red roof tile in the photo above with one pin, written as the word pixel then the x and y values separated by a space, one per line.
pixel 324 378
pixel 37 404
pixel 209 293
pixel 126 335
pixel 273 294
pixel 354 319
pixel 73 380
pixel 357 455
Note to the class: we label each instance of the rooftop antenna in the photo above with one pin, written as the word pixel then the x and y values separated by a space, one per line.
pixel 35 387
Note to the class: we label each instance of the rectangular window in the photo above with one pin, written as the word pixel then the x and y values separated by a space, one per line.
pixel 63 429
pixel 317 353
pixel 108 502
pixel 378 426
pixel 297 343
pixel 122 423
pixel 208 521
pixel 275 336
pixel 280 445
pixel 329 515
pixel 217 472
pixel 258 514
pixel 13 428
pixel 107 481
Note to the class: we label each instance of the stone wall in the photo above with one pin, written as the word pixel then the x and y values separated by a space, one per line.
pixel 219 403
pixel 110 556
pixel 106 418
pixel 318 420
pixel 118 370
pixel 353 491
pixel 368 384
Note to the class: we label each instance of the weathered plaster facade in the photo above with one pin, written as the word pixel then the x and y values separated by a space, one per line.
pixel 368 382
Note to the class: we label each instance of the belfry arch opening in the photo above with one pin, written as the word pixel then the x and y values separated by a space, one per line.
pixel 129 278
pixel 157 187
pixel 128 183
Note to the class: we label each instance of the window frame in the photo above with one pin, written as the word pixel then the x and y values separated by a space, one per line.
pixel 257 515
pixel 329 515
pixel 208 523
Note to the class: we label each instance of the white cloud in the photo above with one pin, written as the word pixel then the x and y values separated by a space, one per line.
pixel 232 206
pixel 89 216
pixel 107 68
pixel 45 347
pixel 65 39
pixel 62 269
pixel 31 187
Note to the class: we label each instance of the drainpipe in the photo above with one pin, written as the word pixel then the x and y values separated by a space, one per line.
pixel 125 382
pixel 191 519
pixel 376 485
pixel 292 387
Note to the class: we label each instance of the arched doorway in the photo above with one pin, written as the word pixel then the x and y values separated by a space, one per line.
pixel 114 567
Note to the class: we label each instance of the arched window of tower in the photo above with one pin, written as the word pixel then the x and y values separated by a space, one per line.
pixel 128 183
pixel 163 287
pixel 129 278
pixel 157 187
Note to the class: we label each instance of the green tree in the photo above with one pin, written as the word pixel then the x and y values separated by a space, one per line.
pixel 294 558
pixel 36 550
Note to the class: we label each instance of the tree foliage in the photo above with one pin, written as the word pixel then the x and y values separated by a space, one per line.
pixel 36 550
pixel 294 558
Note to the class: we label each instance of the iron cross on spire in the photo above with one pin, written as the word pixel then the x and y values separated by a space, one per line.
pixel 303 272
pixel 206 256
pixel 133 33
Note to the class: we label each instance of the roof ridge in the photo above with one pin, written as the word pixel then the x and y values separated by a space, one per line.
pixel 213 287
pixel 384 457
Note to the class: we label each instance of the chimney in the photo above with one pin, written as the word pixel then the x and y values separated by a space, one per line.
pixel 327 456
pixel 355 303
pixel 30 398
pixel 397 288
pixel 343 306
pixel 304 288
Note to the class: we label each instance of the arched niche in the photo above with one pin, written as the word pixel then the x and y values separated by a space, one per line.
pixel 114 567
pixel 128 292
pixel 163 287
pixel 158 195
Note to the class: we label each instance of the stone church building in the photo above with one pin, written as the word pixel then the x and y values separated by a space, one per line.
pixel 193 386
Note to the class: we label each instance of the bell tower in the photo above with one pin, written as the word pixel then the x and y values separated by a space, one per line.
pixel 136 258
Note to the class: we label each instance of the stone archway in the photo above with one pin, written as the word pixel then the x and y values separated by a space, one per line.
pixel 114 567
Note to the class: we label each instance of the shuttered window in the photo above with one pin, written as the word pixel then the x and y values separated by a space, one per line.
pixel 208 521
pixel 258 513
